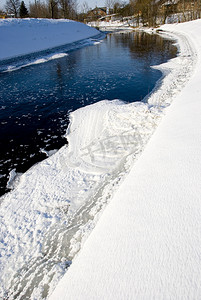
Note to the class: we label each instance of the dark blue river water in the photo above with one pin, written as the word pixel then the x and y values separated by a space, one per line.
pixel 35 101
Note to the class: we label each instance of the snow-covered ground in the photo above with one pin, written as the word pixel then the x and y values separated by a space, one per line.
pixel 111 25
pixel 146 244
pixel 23 36
pixel 56 204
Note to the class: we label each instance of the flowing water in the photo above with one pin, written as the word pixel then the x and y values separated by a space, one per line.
pixel 36 98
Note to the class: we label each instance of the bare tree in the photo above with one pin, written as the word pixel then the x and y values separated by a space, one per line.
pixel 53 5
pixel 12 7
pixel 68 9
pixel 65 8
pixel 110 5
pixel 53 9
pixel 38 10
pixel 117 7
pixel 85 8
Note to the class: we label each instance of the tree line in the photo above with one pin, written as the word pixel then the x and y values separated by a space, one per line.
pixel 145 12
pixel 54 9
pixel 150 12
pixel 155 12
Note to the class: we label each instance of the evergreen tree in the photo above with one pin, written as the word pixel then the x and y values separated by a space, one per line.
pixel 23 10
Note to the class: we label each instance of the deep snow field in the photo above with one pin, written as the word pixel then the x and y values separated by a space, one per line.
pixel 144 245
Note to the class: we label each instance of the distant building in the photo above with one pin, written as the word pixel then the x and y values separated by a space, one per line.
pixel 96 13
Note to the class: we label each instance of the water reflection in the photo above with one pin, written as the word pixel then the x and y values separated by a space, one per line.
pixel 144 46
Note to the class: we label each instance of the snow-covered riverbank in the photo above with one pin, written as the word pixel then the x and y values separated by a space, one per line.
pixel 146 244
pixel 56 203
pixel 24 36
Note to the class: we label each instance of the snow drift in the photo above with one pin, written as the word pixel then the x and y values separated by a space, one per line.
pixel 23 36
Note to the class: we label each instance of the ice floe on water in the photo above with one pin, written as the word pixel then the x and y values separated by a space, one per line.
pixel 56 203
pixel 48 153
pixel 37 61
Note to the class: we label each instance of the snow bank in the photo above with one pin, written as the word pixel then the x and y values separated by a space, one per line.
pixel 56 204
pixel 111 25
pixel 146 244
pixel 23 36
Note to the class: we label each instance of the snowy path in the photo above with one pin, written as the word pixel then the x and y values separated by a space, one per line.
pixel 146 244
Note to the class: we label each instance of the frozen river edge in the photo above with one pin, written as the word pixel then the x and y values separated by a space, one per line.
pixel 146 244
pixel 58 201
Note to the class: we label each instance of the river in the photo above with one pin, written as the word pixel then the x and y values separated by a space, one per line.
pixel 35 100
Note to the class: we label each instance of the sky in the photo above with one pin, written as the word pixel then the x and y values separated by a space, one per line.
pixel 91 3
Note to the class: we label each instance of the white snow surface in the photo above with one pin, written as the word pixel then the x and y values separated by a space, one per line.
pixel 109 25
pixel 146 245
pixel 146 241
pixel 24 36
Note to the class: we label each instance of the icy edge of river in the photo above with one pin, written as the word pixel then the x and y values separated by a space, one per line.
pixel 45 220
pixel 44 56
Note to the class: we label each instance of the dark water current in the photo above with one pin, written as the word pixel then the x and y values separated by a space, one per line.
pixel 35 101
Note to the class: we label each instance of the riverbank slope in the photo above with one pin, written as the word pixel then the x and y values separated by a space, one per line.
pixel 146 245
pixel 24 36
